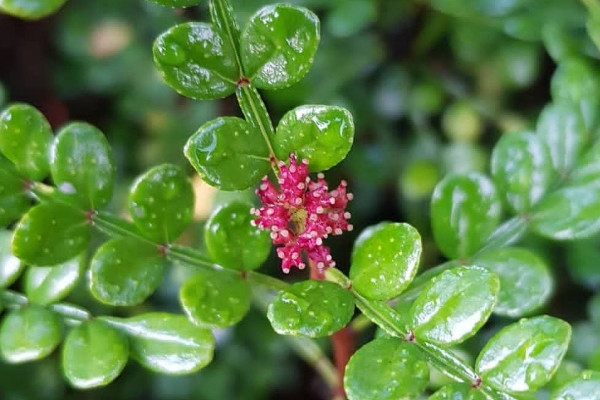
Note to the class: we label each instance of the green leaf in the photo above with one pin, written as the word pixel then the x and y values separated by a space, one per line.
pixel 51 233
pixel 10 266
pixel 523 356
pixel 386 369
pixel 321 134
pixel 82 165
pixel 525 280
pixel 178 3
pixel 166 343
pixel 197 61
pixel 215 299
pixel 29 334
pixel 94 354
pixel 125 271
pixel 46 285
pixel 311 308
pixel 561 128
pixel 454 305
pixel 278 45
pixel 232 241
pixel 30 9
pixel 25 137
pixel 585 387
pixel 161 203
pixel 457 391
pixel 228 153
pixel 465 210
pixel 522 169
pixel 13 197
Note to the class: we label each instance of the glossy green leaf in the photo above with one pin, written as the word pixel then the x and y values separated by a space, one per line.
pixel 232 241
pixel 386 262
pixel 525 280
pixel 465 210
pixel 585 387
pixel 562 129
pixel 457 391
pixel 522 169
pixel 454 305
pixel 94 354
pixel 82 165
pixel 523 356
pixel 51 233
pixel 13 198
pixel 311 308
pixel 10 266
pixel 30 9
pixel 125 271
pixel 197 61
pixel 215 300
pixel 166 343
pixel 278 45
pixel 25 137
pixel 228 153
pixel 161 203
pixel 46 285
pixel 386 369
pixel 29 334
pixel 321 134
pixel 178 3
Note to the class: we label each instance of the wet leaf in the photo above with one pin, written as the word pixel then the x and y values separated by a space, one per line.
pixel 30 9
pixel 585 387
pixel 10 266
pixel 457 391
pixel 46 285
pixel 13 198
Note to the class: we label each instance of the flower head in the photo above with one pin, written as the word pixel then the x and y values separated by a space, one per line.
pixel 301 213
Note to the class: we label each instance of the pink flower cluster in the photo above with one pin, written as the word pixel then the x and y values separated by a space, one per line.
pixel 301 214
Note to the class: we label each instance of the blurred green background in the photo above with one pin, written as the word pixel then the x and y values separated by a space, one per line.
pixel 432 86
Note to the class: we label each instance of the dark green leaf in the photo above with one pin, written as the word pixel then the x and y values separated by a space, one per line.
pixel 457 391
pixel 13 198
pixel 465 210
pixel 51 233
pixel 232 241
pixel 10 266
pixel 278 45
pixel 94 354
pixel 586 387
pixel 82 165
pixel 29 334
pixel 228 153
pixel 321 134
pixel 523 356
pixel 45 285
pixel 30 9
pixel 386 369
pixel 197 61
pixel 161 203
pixel 178 3
pixel 25 137
pixel 125 271
pixel 311 308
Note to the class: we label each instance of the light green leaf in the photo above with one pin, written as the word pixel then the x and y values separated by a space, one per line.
pixel 311 308
pixel 228 153
pixel 10 266
pixel 585 387
pixel 161 203
pixel 46 285
pixel 386 369
pixel 30 9
pixel 457 391
pixel 29 334
pixel 321 134
pixel 523 356
pixel 278 45
pixel 13 198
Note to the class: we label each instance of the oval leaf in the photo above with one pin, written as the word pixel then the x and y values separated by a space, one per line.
pixel 45 285
pixel 522 169
pixel 457 391
pixel 585 387
pixel 525 280
pixel 29 334
pixel 13 197
pixel 161 203
pixel 82 165
pixel 167 343
pixel 94 354
pixel 311 308
pixel 523 356
pixel 386 262
pixel 197 61
pixel 386 369
pixel 228 153
pixel 278 45
pixel 321 134
pixel 25 137
pixel 30 9
pixel 10 266
pixel 454 305
pixel 51 233
pixel 232 241
pixel 125 271
pixel 465 210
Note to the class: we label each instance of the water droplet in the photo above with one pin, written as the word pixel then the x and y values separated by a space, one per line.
pixel 171 53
